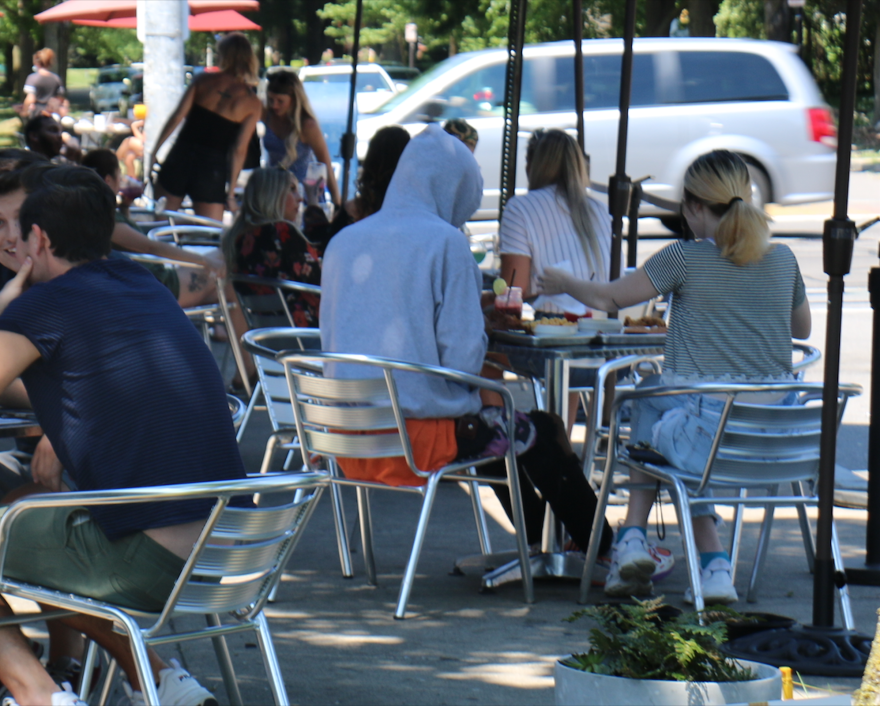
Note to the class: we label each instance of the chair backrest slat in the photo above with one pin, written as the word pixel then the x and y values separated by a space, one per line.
pixel 354 445
pixel 771 416
pixel 362 390
pixel 239 560
pixel 254 524
pixel 203 597
pixel 360 418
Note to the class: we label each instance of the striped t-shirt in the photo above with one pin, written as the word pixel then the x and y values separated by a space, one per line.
pixel 538 225
pixel 727 320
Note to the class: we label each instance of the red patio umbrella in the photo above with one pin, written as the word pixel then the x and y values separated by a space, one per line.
pixel 106 10
pixel 220 21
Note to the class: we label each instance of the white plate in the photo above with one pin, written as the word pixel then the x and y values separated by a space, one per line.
pixel 600 325
pixel 555 330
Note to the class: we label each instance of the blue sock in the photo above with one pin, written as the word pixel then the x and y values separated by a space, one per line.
pixel 707 557
pixel 624 530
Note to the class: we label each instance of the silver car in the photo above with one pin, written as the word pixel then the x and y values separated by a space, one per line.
pixel 689 96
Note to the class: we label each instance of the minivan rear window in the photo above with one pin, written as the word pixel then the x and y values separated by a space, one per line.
pixel 716 76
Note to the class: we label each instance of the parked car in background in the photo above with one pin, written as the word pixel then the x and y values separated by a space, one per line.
pixel 133 92
pixel 374 85
pixel 106 93
pixel 689 96
pixel 401 75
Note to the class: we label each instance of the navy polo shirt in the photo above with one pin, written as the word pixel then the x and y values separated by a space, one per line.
pixel 126 389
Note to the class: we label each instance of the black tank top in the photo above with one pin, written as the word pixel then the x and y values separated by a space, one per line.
pixel 205 127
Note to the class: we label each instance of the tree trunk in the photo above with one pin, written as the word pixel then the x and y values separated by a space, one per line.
pixel 56 36
pixel 8 60
pixel 25 62
pixel 658 15
pixel 316 42
pixel 702 14
pixel 777 22
pixel 877 76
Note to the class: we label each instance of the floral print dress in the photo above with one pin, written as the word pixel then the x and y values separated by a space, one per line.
pixel 280 251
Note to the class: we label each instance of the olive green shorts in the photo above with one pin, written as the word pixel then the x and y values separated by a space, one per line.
pixel 65 549
pixel 166 275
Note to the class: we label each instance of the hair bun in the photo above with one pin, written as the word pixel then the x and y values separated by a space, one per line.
pixel 734 200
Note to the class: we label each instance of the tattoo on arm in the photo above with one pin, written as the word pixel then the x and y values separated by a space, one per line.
pixel 198 281
pixel 616 305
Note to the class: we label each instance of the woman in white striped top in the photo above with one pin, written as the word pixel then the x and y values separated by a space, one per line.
pixel 738 301
pixel 556 221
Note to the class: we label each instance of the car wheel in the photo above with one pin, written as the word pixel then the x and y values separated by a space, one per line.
pixel 761 194
pixel 673 223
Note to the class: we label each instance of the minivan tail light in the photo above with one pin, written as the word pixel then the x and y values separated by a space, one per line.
pixel 822 127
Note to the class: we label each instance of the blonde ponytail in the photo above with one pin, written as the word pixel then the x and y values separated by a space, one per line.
pixel 720 181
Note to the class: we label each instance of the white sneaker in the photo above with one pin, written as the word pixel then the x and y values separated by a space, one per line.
pixel 176 688
pixel 635 563
pixel 66 697
pixel 717 584
pixel 663 558
pixel 619 587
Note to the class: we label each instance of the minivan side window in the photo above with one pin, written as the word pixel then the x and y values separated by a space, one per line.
pixel 602 82
pixel 715 76
pixel 478 95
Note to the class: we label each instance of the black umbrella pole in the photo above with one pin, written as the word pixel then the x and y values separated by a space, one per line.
pixel 823 576
pixel 347 147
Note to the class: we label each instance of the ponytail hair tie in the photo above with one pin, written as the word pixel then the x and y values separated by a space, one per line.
pixel 733 200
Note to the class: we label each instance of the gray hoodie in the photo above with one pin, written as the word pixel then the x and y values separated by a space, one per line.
pixel 403 283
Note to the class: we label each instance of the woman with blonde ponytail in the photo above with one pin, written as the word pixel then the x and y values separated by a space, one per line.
pixel 737 301
pixel 556 221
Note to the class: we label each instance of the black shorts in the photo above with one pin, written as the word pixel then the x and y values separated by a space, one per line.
pixel 196 171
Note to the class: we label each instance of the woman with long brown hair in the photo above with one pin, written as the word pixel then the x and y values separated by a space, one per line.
pixel 221 112
pixel 293 136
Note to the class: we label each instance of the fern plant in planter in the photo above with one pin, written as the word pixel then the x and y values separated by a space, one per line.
pixel 638 656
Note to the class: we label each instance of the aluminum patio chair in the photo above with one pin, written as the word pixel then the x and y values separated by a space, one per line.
pixel 188 235
pixel 331 416
pixel 269 309
pixel 756 447
pixel 234 565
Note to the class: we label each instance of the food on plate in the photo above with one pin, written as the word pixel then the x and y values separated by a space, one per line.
pixel 645 324
pixel 554 321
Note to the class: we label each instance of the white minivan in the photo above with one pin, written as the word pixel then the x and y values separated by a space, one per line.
pixel 689 96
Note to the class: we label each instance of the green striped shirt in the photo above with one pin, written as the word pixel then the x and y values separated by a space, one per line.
pixel 727 320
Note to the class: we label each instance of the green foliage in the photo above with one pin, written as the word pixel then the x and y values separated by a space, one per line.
pixel 98 46
pixel 633 641
pixel 741 18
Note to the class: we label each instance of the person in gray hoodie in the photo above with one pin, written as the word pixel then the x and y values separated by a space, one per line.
pixel 403 284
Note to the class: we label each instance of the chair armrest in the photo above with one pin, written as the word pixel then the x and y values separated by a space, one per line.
pixel 218 489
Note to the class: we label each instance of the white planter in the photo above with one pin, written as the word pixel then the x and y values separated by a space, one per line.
pixel 577 688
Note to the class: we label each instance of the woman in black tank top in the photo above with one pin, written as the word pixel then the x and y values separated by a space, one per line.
pixel 220 112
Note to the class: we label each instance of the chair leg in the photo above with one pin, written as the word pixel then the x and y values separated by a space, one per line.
pixel 341 531
pixel 366 522
pixel 736 536
pixel 692 557
pixel 270 660
pixel 141 659
pixel 806 529
pixel 480 516
pixel 224 659
pixel 595 535
pixel 409 573
pixel 108 682
pixel 843 592
pixel 538 390
pixel 252 402
pixel 85 685
pixel 761 552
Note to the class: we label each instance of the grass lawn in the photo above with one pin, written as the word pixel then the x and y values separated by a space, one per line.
pixel 81 78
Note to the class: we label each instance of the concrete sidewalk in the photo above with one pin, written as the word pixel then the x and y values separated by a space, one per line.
pixel 338 642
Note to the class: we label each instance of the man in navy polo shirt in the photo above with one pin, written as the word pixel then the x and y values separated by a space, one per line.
pixel 128 395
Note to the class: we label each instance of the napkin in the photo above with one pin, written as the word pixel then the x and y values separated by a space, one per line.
pixel 564 301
